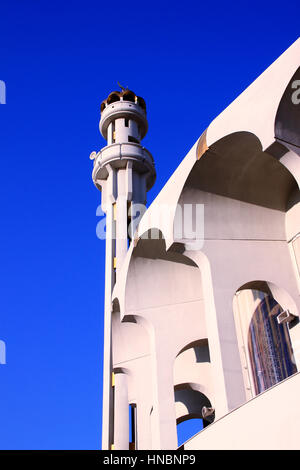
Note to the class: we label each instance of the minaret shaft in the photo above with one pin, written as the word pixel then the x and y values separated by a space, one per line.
pixel 124 171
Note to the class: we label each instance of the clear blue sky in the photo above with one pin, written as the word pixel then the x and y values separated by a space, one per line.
pixel 59 60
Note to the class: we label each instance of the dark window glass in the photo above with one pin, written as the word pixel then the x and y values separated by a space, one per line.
pixel 269 345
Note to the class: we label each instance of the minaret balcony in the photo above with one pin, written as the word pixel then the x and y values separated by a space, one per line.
pixel 117 155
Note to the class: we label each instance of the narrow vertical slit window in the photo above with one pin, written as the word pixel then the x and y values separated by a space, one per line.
pixel 129 227
pixel 132 427
pixel 114 242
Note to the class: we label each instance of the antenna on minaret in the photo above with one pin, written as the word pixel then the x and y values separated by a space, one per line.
pixel 122 88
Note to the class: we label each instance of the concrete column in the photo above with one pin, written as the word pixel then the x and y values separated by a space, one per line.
pixel 121 222
pixel 109 134
pixel 163 420
pixel 121 226
pixel 243 302
pixel 121 131
pixel 227 374
pixel 144 441
pixel 231 361
pixel 139 196
pixel 121 415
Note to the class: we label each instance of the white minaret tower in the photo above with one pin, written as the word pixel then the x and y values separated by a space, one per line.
pixel 124 172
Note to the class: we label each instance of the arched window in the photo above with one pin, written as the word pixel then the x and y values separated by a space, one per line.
pixel 269 346
pixel 129 96
pixel 113 98
pixel 132 427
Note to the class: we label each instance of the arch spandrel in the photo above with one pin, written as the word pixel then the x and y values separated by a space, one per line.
pixel 254 110
pixel 253 113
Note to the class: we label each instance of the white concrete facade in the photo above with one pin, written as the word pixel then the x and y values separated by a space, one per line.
pixel 172 337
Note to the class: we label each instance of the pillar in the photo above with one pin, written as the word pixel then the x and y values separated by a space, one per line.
pixel 121 412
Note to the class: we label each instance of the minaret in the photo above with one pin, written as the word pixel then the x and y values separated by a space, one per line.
pixel 124 172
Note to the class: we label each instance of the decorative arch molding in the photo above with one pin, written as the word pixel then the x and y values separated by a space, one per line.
pixel 151 245
pixel 236 166
pixel 239 123
pixel 196 387
pixel 192 368
pixel 133 336
pixel 151 266
pixel 256 108
pixel 232 172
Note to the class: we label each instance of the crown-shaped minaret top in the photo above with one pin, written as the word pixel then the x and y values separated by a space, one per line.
pixel 124 104
pixel 123 125
pixel 123 117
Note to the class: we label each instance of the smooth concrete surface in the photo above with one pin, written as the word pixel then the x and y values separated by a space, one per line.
pixel 268 422
pixel 121 412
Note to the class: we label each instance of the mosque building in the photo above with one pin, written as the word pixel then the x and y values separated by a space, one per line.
pixel 202 293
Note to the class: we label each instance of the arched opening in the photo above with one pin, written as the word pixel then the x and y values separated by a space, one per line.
pixel 193 410
pixel 245 192
pixel 192 369
pixel 269 345
pixel 263 330
pixel 172 294
pixel 129 96
pixel 113 97
pixel 132 398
